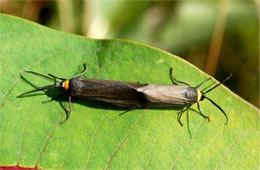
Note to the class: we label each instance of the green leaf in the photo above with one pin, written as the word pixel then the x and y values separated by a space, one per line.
pixel 96 136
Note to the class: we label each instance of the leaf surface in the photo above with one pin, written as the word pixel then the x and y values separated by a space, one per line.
pixel 96 136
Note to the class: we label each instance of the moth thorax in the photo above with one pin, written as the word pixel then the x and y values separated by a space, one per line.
pixel 199 95
pixel 66 85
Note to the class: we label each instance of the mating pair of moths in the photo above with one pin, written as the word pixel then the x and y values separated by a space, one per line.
pixel 131 95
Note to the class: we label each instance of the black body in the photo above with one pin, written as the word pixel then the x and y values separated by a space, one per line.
pixel 113 92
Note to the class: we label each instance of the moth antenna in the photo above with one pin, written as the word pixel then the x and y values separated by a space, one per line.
pixel 215 104
pixel 40 75
pixel 217 84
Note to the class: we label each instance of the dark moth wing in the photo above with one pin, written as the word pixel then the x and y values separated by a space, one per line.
pixel 109 91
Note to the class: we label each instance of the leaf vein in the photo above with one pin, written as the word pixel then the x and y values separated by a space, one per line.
pixel 124 139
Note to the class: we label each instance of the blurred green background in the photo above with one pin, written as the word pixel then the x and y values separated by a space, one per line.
pixel 218 36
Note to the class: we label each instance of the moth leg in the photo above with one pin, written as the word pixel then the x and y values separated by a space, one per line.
pixel 181 113
pixel 124 112
pixel 131 109
pixel 55 77
pixel 83 72
pixel 179 116
pixel 68 112
pixel 175 81
pixel 206 117
pixel 201 84
pixel 70 108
